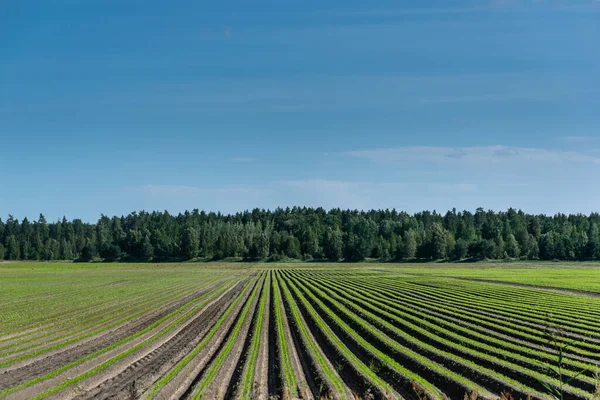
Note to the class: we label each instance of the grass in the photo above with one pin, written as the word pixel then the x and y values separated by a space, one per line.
pixel 436 327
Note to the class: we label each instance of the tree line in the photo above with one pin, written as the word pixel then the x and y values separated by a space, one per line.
pixel 306 234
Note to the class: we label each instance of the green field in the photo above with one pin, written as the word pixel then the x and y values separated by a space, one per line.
pixel 259 331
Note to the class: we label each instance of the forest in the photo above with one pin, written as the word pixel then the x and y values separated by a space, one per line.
pixel 307 234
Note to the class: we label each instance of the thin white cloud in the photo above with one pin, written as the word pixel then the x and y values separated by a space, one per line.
pixel 482 155
pixel 576 139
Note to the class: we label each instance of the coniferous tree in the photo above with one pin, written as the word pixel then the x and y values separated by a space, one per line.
pixel 307 233
pixel 190 243
pixel 334 244
pixel 13 250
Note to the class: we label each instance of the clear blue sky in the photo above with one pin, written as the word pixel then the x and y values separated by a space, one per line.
pixel 110 106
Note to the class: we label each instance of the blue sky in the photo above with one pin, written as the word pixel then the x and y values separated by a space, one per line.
pixel 112 106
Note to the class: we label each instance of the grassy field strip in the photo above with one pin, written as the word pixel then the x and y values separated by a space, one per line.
pixel 92 309
pixel 514 330
pixel 137 365
pixel 98 330
pixel 74 314
pixel 18 302
pixel 536 302
pixel 577 315
pixel 294 381
pixel 57 322
pixel 81 325
pixel 370 379
pixel 30 311
pixel 565 302
pixel 322 364
pixel 583 278
pixel 218 332
pixel 542 299
pixel 406 376
pixel 85 286
pixel 175 324
pixel 83 332
pixel 90 315
pixel 251 385
pixel 458 351
pixel 207 297
pixel 215 380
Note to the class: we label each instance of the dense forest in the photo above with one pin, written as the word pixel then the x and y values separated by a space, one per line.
pixel 307 234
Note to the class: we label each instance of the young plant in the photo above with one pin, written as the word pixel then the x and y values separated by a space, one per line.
pixel 557 340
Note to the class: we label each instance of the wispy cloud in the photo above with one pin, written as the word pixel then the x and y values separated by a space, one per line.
pixel 576 139
pixel 474 155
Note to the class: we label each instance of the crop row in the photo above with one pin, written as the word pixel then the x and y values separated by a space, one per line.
pixel 312 333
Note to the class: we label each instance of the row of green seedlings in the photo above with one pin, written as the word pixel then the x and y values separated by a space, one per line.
pixel 322 372
pixel 484 324
pixel 474 299
pixel 247 388
pixel 431 306
pixel 535 339
pixel 240 330
pixel 387 361
pixel 559 353
pixel 176 317
pixel 573 308
pixel 101 323
pixel 30 326
pixel 504 310
pixel 472 339
pixel 474 368
pixel 64 306
pixel 540 366
pixel 231 314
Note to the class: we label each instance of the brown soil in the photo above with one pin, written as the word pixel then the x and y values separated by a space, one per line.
pixel 51 339
pixel 222 382
pixel 144 371
pixel 183 382
pixel 260 386
pixel 18 373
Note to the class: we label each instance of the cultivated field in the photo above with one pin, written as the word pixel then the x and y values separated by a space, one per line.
pixel 343 331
